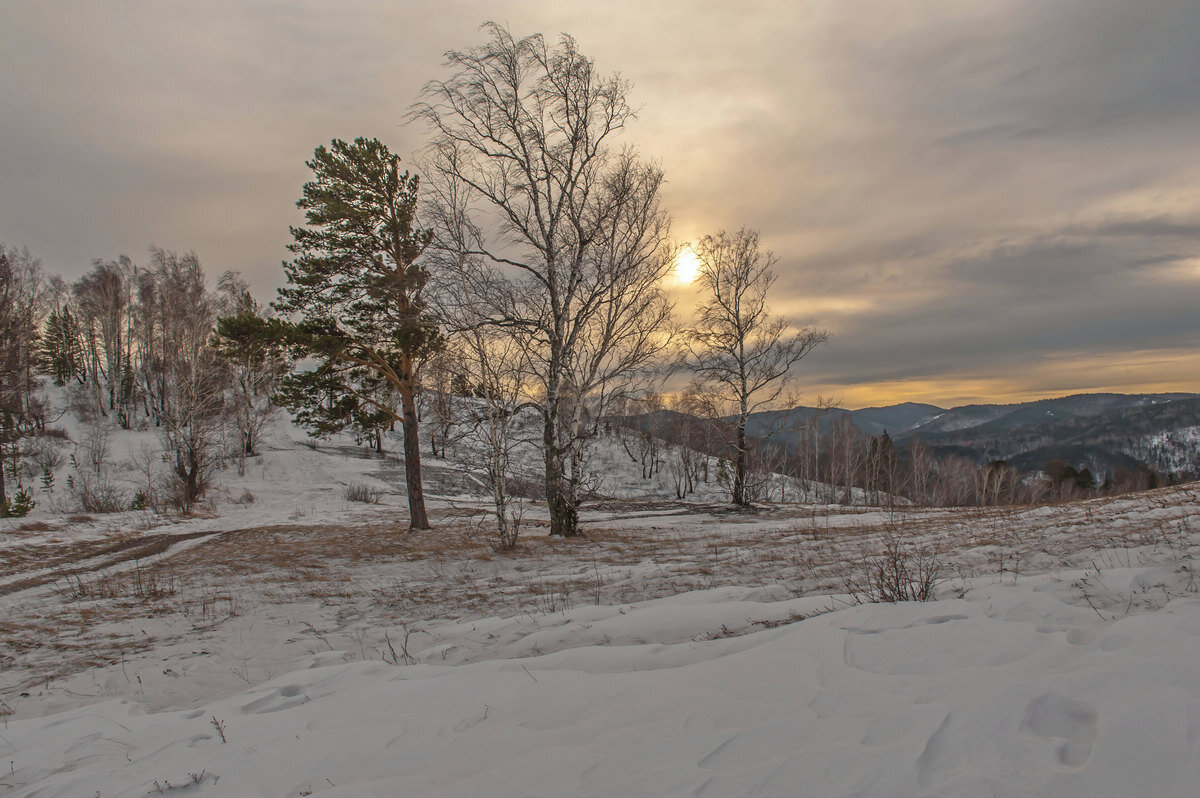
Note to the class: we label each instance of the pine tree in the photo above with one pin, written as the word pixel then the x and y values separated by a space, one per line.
pixel 354 293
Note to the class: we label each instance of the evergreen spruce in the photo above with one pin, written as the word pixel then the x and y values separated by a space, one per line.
pixel 61 354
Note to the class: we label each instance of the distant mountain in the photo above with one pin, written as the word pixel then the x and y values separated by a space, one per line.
pixel 894 418
pixel 1026 415
pixel 956 418
pixel 1102 431
pixel 871 420
pixel 1099 431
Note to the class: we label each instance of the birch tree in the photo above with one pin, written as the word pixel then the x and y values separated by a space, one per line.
pixel 195 379
pixel 738 351
pixel 568 227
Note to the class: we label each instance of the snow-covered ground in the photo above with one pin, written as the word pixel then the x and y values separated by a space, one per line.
pixel 300 644
pixel 1008 692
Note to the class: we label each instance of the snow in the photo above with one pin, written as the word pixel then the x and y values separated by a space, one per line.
pixel 1175 450
pixel 680 648
pixel 1010 691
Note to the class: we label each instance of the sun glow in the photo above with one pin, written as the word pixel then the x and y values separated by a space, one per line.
pixel 687 266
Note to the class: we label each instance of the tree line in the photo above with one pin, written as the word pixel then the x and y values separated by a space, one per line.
pixel 802 457
pixel 132 346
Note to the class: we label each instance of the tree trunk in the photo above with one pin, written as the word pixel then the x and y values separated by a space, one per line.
pixel 187 474
pixel 417 518
pixel 739 468
pixel 564 516
pixel 193 490
pixel 3 494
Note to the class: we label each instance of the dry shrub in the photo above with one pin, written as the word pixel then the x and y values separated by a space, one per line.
pixel 902 571
pixel 46 456
pixel 526 488
pixel 98 495
pixel 147 584
pixel 361 492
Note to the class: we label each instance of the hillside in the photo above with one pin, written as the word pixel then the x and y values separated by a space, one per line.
pixel 1100 431
pixel 676 648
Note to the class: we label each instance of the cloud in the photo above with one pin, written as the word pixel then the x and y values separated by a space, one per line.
pixel 957 190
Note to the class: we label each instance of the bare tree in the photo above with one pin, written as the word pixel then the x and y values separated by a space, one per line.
pixel 848 456
pixel 256 365
pixel 955 485
pixel 690 457
pixel 569 230
pixel 10 395
pixel 146 459
pixel 441 380
pixel 497 367
pixel 922 472
pixel 641 441
pixel 738 351
pixel 102 299
pixel 30 294
pixel 806 451
pixel 492 367
pixel 21 307
pixel 193 418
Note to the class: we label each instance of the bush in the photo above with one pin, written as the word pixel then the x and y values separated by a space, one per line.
pixel 175 490
pixel 902 571
pixel 18 506
pixel 140 501
pixel 99 496
pixel 46 456
pixel 525 488
pixel 360 492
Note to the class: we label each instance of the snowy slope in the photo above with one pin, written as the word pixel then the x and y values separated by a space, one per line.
pixel 678 648
pixel 1011 691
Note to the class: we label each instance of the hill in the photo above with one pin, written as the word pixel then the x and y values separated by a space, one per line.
pixel 1100 431
pixel 285 640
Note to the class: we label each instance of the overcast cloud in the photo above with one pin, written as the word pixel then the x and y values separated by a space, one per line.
pixel 984 200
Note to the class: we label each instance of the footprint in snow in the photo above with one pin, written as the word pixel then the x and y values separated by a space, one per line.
pixel 277 698
pixel 1055 716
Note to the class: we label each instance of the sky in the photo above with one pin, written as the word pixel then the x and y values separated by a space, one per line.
pixel 981 201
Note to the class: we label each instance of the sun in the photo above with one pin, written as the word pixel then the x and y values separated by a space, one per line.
pixel 687 266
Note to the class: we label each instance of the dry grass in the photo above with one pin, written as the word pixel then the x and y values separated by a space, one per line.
pixel 378 574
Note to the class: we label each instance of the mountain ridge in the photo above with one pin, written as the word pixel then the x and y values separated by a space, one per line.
pixel 1100 431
